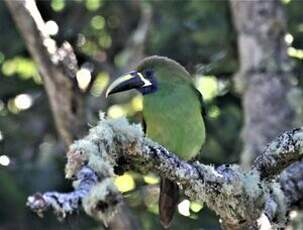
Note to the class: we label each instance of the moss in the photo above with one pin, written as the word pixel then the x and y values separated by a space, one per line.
pixel 101 202
pixel 75 160
pixel 230 191
pixel 279 198
pixel 99 150
pixel 298 138
pixel 101 167
pixel 251 181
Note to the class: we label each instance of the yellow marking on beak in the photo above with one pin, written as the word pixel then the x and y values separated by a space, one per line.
pixel 135 80
pixel 117 82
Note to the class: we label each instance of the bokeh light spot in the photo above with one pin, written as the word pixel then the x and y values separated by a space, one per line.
pixel 295 53
pixel 58 5
pixel 100 84
pixel 285 1
pixel 23 101
pixel 288 38
pixel 125 183
pixel 137 103
pixel 52 27
pixel 81 40
pixel 116 111
pixel 105 41
pixel 24 67
pixel 98 22
pixel 214 111
pixel 183 207
pixel 293 214
pixel 89 48
pixel 50 44
pixel 195 206
pixel 93 5
pixel 4 160
pixel 9 68
pixel 208 86
pixel 153 208
pixel 83 78
pixel 150 179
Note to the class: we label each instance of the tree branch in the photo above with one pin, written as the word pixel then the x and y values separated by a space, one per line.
pixel 239 197
pixel 278 154
pixel 291 181
pixel 64 203
pixel 58 67
pixel 265 75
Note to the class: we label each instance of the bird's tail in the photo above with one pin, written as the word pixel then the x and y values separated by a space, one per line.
pixel 169 196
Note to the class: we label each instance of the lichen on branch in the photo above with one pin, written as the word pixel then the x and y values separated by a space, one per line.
pixel 238 196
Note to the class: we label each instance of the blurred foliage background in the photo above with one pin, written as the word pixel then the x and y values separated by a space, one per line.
pixel 199 34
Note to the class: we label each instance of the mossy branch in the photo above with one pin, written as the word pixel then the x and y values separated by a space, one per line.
pixel 280 153
pixel 239 197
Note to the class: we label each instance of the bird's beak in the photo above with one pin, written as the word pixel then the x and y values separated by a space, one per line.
pixel 133 80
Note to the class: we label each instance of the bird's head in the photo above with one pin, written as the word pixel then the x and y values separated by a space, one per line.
pixel 152 75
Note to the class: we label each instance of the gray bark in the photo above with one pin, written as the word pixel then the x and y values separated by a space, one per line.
pixel 58 68
pixel 265 77
pixel 240 197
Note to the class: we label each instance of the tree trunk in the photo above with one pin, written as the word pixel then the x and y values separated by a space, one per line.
pixel 264 78
pixel 58 68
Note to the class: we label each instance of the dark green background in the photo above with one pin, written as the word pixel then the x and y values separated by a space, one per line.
pixel 199 34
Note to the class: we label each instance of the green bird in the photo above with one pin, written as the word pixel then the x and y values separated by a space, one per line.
pixel 173 116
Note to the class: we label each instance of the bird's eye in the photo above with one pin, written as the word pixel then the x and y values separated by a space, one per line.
pixel 148 73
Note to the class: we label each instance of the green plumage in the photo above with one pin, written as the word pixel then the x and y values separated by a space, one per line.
pixel 173 114
pixel 173 118
pixel 172 111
